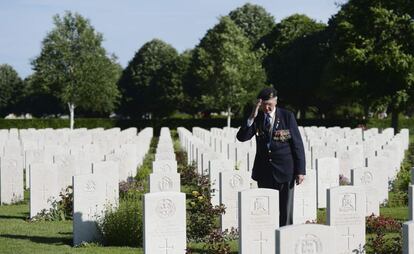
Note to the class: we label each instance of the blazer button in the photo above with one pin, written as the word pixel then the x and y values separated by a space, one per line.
pixel 270 151
pixel 270 159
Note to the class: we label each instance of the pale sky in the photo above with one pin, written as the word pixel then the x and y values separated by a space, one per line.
pixel 127 24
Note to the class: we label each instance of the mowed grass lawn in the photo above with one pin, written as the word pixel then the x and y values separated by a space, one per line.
pixel 17 235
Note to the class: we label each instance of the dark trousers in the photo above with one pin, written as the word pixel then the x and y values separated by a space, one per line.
pixel 286 192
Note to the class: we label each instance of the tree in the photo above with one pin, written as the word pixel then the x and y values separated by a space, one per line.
pixel 38 101
pixel 11 90
pixel 137 81
pixel 226 70
pixel 297 50
pixel 373 46
pixel 75 68
pixel 254 21
pixel 168 84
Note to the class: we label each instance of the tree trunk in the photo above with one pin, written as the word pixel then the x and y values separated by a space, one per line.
pixel 229 117
pixel 72 115
pixel 366 111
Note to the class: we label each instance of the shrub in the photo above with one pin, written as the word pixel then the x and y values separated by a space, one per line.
pixel 397 199
pixel 123 226
pixel 402 181
pixel 217 241
pixel 130 186
pixel 202 215
pixel 188 174
pixel 380 243
pixel 382 224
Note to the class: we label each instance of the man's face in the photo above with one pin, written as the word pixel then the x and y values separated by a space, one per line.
pixel 269 105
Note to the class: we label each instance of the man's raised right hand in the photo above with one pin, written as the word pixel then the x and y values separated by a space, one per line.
pixel 255 110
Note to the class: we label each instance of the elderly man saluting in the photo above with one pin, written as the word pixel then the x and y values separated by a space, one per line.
pixel 280 157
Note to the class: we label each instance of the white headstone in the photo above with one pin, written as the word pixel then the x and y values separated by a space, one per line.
pixel 89 202
pixel 231 182
pixel 327 172
pixel 161 166
pixel 258 220
pixel 32 156
pixel 68 166
pixel 351 159
pixel 408 237
pixel 305 238
pixel 411 202
pixel 346 212
pixel 164 181
pixel 127 159
pixel 369 179
pixel 109 169
pixel 215 167
pixel 11 179
pixel 304 207
pixel 380 166
pixel 164 156
pixel 164 223
pixel 43 187
pixel 320 151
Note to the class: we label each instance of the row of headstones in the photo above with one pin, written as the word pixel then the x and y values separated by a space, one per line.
pixel 96 193
pixel 64 162
pixel 37 138
pixel 44 144
pixel 311 194
pixel 351 146
pixel 164 221
pixel 258 224
pixel 408 227
pixel 381 165
pixel 353 155
pixel 61 141
pixel 224 144
pixel 164 176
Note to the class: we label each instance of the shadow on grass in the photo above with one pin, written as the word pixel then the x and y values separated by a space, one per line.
pixel 41 239
pixel 23 216
pixel 65 233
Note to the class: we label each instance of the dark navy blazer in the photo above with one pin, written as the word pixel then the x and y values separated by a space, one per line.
pixel 279 157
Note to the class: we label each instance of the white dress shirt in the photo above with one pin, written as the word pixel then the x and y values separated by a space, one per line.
pixel 272 119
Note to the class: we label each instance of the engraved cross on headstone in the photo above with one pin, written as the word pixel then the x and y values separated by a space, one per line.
pixel 44 190
pixel 12 183
pixel 304 204
pixel 166 247
pixel 348 236
pixel 261 241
